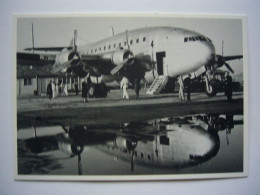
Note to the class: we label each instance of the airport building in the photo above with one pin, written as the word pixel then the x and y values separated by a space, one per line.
pixel 34 80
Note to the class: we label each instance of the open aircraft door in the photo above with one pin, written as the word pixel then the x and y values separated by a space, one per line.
pixel 160 62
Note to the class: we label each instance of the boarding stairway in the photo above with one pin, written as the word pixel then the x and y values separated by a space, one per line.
pixel 157 85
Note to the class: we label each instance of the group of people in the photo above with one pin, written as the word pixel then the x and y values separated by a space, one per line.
pixel 54 90
pixel 186 86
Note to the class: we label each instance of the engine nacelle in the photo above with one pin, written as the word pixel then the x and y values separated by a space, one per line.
pixel 121 57
pixel 67 55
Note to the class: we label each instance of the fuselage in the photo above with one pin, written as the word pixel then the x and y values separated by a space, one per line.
pixel 176 51
pixel 180 146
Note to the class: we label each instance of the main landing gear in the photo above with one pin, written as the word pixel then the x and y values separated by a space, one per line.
pixel 97 90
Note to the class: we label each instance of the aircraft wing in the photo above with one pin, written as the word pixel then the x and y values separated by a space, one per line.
pixel 47 49
pixel 71 60
pixel 116 61
pixel 35 59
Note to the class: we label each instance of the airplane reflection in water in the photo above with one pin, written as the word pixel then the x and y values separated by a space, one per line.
pixel 163 143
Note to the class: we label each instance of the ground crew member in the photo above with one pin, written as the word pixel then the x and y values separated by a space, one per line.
pixel 76 88
pixel 188 86
pixel 228 86
pixel 84 91
pixel 124 86
pixel 137 88
pixel 181 88
pixel 53 87
pixel 49 90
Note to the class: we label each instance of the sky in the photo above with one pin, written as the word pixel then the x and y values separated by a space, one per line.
pixel 58 31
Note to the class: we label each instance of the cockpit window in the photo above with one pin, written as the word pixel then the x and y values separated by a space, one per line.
pixel 197 38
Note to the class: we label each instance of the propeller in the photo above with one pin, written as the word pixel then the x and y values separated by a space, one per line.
pixel 57 68
pixel 74 57
pixel 144 61
pixel 221 60
pixel 128 58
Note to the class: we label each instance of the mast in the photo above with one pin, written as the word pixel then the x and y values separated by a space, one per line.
pixel 32 39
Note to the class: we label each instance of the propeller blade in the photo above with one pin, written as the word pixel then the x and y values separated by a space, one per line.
pixel 116 69
pixel 145 66
pixel 127 41
pixel 227 58
pixel 222 48
pixel 228 67
pixel 75 40
pixel 145 61
pixel 58 67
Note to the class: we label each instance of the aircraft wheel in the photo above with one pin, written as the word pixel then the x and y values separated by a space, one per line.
pixel 91 91
pixel 103 90
pixel 212 91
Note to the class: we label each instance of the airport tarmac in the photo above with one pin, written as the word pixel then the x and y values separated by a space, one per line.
pixel 114 110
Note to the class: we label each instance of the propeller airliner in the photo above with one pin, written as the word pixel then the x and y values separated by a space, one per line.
pixel 145 53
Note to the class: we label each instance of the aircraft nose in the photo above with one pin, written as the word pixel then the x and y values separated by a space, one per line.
pixel 209 53
pixel 192 56
pixel 205 52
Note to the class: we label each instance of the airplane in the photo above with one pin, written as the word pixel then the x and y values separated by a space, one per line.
pixel 168 143
pixel 153 54
pixel 172 143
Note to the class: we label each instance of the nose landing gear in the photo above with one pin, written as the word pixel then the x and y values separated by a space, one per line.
pixel 211 85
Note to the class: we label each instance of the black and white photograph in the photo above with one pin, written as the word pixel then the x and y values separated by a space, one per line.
pixel 130 97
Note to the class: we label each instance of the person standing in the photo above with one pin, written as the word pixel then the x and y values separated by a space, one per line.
pixel 61 88
pixel 56 89
pixel 181 88
pixel 137 87
pixel 188 86
pixel 53 88
pixel 65 90
pixel 49 89
pixel 124 86
pixel 84 91
pixel 76 87
pixel 228 83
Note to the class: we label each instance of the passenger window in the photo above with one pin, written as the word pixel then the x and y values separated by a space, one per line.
pixel 109 47
pixel 100 49
pixel 114 45
pixel 125 43
pixel 137 40
pixel 144 39
pixel 104 48
pixel 131 42
pixel 119 44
